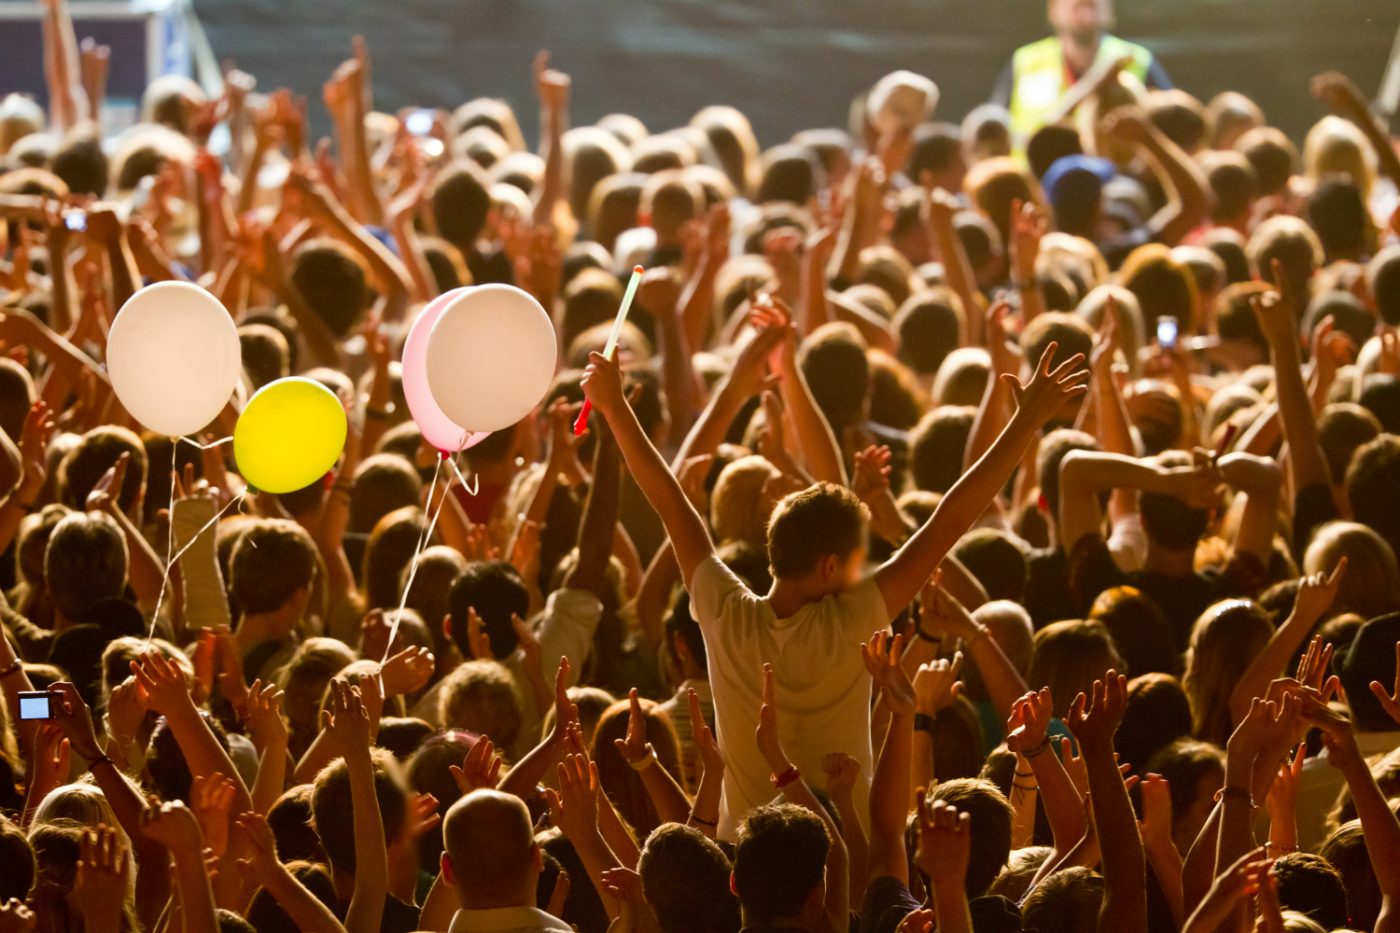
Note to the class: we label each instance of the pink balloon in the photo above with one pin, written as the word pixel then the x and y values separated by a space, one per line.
pixel 438 429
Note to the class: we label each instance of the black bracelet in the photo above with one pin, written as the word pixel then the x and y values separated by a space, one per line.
pixel 923 722
pixel 920 634
pixel 702 821
pixel 1035 751
pixel 100 759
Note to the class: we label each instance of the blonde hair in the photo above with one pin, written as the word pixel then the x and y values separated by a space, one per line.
pixel 1337 146
pixel 1371 586
pixel 738 511
pixel 1224 640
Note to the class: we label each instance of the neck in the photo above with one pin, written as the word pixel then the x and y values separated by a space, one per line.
pixel 1169 563
pixel 521 896
pixel 255 628
pixel 786 597
pixel 1079 51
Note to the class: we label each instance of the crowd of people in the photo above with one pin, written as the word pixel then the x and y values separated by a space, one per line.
pixel 983 526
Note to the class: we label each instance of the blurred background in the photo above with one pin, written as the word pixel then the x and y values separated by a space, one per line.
pixel 788 64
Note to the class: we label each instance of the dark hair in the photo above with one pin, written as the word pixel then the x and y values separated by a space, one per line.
pixel 80 161
pixel 1309 884
pixel 928 326
pixel 332 812
pixel 996 559
pixel 1371 481
pixel 85 562
pixel 496 591
pixel 834 364
pixel 780 857
pixel 681 624
pixel 1383 277
pixel 685 879
pixel 267 916
pixel 1140 630
pixel 18 858
pixel 1345 850
pixel 1066 901
pixel 272 560
pixel 94 455
pixel 991 828
pixel 289 818
pixel 1185 763
pixel 1167 520
pixel 937 445
pixel 333 283
pixel 1049 144
pixel 1342 429
pixel 1157 713
pixel 460 203
pixel 1339 215
pixel 806 526
pixel 165 761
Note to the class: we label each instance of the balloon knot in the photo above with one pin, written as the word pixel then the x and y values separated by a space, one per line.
pixel 443 455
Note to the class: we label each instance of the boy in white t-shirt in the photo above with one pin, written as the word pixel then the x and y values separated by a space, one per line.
pixel 823 602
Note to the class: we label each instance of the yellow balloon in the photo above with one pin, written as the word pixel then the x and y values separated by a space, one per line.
pixel 289 435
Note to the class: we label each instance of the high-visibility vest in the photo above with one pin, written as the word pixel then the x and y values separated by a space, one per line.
pixel 1040 80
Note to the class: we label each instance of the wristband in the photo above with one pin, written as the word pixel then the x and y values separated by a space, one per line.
pixel 14 667
pixel 779 781
pixel 920 634
pixel 1235 792
pixel 702 821
pixel 1035 751
pixel 923 722
pixel 641 764
pixel 100 759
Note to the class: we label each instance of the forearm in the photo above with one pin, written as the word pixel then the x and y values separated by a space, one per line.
pixel 145 572
pixel 1004 682
pixel 1064 810
pixel 595 534
pixel 704 810
pixel 654 596
pixel 354 148
pixel 1381 830
pixel 303 907
pixel 596 856
pixel 1306 460
pixel 665 794
pixel 1083 478
pixel 1187 190
pixel 415 261
pixel 203 752
pixel 1125 887
pixel 616 834
pixel 714 421
pixel 820 452
pixel 991 419
pixel 196 895
pixel 1236 836
pixel 922 770
pixel 1269 663
pixel 961 279
pixel 371 858
pixel 553 123
pixel 951 907
pixel 272 776
pixel 527 773
pixel 889 798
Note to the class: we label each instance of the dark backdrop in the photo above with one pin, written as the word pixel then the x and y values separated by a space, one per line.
pixel 789 64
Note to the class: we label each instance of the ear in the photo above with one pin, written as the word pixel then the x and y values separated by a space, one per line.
pixel 1042 504
pixel 447 627
pixel 733 888
pixel 446 865
pixel 681 648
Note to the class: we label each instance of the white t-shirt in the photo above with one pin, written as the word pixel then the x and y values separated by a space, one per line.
pixel 821 685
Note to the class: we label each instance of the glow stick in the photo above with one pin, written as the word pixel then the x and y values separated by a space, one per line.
pixel 581 422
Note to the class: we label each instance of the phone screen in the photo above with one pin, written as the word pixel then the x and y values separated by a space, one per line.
pixel 1166 331
pixel 419 122
pixel 76 221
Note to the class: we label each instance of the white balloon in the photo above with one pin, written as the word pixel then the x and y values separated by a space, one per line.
pixel 173 357
pixel 491 356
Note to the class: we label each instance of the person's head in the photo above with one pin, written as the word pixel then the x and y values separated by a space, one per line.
pixel 1339 215
pixel 732 139
pixel 304 679
pixel 995 184
pixel 780 866
pixel 927 327
pixel 272 569
pixel 998 561
pixel 333 282
pixel 1139 629
pixel 1371 586
pixel 18 859
pixel 991 827
pixel 1162 286
pixel 1345 850
pixel 819 535
pixel 1068 331
pixel 80 161
pixel 461 200
pixel 1370 657
pixel 1371 478
pixel 332 808
pixel 618 779
pixel 1171 524
pixel 1273 157
pixel 669 201
pixel 789 173
pixel 936 447
pixel 1380 395
pixel 496 592
pixel 1066 901
pixel 685 879
pixel 1080 21
pixel 1235 185
pixel 1157 714
pixel 84 563
pixel 20 116
pixel 266 354
pixel 98 451
pixel 834 363
pixel 741 501
pixel 1383 281
pixel 1194 772
pixel 481 697
pixel 1224 640
pixel 1054 447
pixel 1294 245
pixel 1310 885
pixel 1068 656
pixel 171 100
pixel 1230 115
pixel 289 818
pixel 382 484
pixel 490 857
pixel 1336 146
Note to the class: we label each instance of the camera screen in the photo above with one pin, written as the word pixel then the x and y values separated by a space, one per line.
pixel 34 706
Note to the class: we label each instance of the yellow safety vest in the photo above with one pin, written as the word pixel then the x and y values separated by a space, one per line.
pixel 1039 81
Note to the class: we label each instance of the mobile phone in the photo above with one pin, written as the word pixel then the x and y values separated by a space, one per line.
pixel 1166 332
pixel 419 122
pixel 35 705
pixel 75 221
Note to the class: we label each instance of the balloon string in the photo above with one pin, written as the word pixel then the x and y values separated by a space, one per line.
pixel 417 556
pixel 236 500
pixel 432 487
pixel 209 446
pixel 169 540
pixel 471 488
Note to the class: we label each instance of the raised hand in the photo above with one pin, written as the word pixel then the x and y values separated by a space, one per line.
pixel 211 798
pixel 937 684
pixel 1390 702
pixel 1051 388
pixel 551 86
pixel 407 671
pixel 602 385
pixel 34 440
pixel 164 683
pixel 262 714
pixel 1094 720
pixel 574 807
pixel 945 842
pixel 1237 882
pixel 1029 720
pixel 703 737
pixel 565 710
pixel 101 881
pixel 634 748
pixel 842 772
pixel 75 719
pixel 346 723
pixel 16 917
pixel 106 492
pixel 882 662
pixel 766 735
pixel 940 613
pixel 1156 823
pixel 260 846
pixel 1317 592
pixel 872 471
pixel 481 768
pixel 174 826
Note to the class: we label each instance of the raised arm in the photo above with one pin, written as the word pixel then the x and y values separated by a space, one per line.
pixel 1316 593
pixel 174 826
pixel 1028 225
pixel 552 91
pixel 1086 474
pixel 1026 736
pixel 901 577
pixel 1093 723
pixel 1188 195
pixel 1279 323
pixel 602 384
pixel 595 531
pixel 1338 92
pixel 889 785
pixel 820 452
pixel 348 728
pixel 263 867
